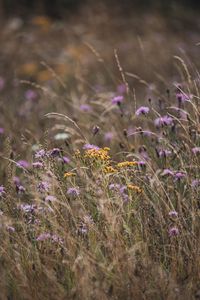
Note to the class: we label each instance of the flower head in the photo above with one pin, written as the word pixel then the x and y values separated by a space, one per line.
pixel 117 100
pixel 85 108
pixel 38 165
pixel 43 186
pixel 23 164
pixel 40 153
pixel 173 231
pixel 73 191
pixel 173 214
pixel 2 190
pixel 163 121
pixel 143 110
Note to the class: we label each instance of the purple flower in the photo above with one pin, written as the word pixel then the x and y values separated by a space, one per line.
pixel 2 130
pixel 40 153
pixel 182 98
pixel 10 228
pixel 73 191
pixel 143 110
pixel 30 95
pixel 163 121
pixel 90 146
pixel 195 183
pixel 16 180
pixel 65 160
pixel 20 189
pixel 179 175
pixel 38 165
pixel 117 100
pixel 173 214
pixel 2 190
pixel 23 164
pixel 43 186
pixel 108 136
pixel 196 150
pixel 54 152
pixel 173 231
pixel 28 208
pixel 167 172
pixel 141 163
pixel 50 198
pixel 43 237
pixel 85 107
pixel 56 239
pixel 164 153
pixel 121 88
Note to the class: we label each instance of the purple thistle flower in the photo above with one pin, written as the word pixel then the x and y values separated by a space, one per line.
pixel 43 186
pixel 117 100
pixel 30 95
pixel 143 110
pixel 20 189
pixel 2 190
pixel 28 208
pixel 121 88
pixel 85 108
pixel 195 183
pixel 196 150
pixel 164 153
pixel 65 160
pixel 173 231
pixel 108 136
pixel 182 98
pixel 38 165
pixel 167 172
pixel 23 164
pixel 90 146
pixel 50 198
pixel 141 163
pixel 43 237
pixel 55 152
pixel 40 153
pixel 16 180
pixel 173 214
pixel 163 121
pixel 179 175
pixel 73 191
pixel 10 228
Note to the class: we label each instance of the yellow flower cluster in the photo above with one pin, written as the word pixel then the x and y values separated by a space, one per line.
pixel 101 154
pixel 69 174
pixel 134 188
pixel 125 164
pixel 109 170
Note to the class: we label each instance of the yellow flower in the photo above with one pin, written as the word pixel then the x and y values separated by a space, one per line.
pixel 69 174
pixel 134 188
pixel 109 170
pixel 101 154
pixel 125 164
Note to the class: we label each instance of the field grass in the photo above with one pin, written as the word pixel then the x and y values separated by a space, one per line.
pixel 100 157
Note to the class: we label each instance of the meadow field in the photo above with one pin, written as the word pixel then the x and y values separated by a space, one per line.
pixel 100 156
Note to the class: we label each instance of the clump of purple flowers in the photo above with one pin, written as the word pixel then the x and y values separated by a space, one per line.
pixel 143 110
pixel 2 190
pixel 43 186
pixel 163 121
pixel 173 231
pixel 23 164
pixel 40 153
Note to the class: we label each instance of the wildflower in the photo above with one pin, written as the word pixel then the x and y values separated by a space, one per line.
pixel 141 163
pixel 173 214
pixel 90 146
pixel 65 160
pixel 179 175
pixel 10 228
pixel 16 180
pixel 143 110
pixel 28 208
pixel 196 150
pixel 23 164
pixel 38 165
pixel 195 183
pixel 85 107
pixel 69 174
pixel 163 121
pixel 2 130
pixel 109 170
pixel 56 239
pixel 2 190
pixel 182 98
pixel 117 100
pixel 167 172
pixel 20 189
pixel 50 198
pixel 100 153
pixel 134 188
pixel 114 186
pixel 30 95
pixel 43 237
pixel 54 152
pixel 121 88
pixel 108 136
pixel 73 191
pixel 125 164
pixel 164 153
pixel 173 231
pixel 40 153
pixel 43 186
